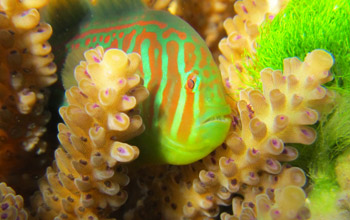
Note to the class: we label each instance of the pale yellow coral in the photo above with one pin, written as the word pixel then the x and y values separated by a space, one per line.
pixel 275 197
pixel 177 193
pixel 27 68
pixel 248 164
pixel 268 120
pixel 11 205
pixel 242 31
pixel 84 180
pixel 26 59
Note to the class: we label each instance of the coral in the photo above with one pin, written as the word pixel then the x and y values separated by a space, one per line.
pixel 324 196
pixel 328 173
pixel 27 69
pixel 26 61
pixel 240 44
pixel 277 197
pixel 86 179
pixel 177 193
pixel 244 178
pixel 329 196
pixel 248 164
pixel 324 25
pixel 206 17
pixel 342 170
pixel 11 205
pixel 339 201
pixel 279 115
pixel 305 26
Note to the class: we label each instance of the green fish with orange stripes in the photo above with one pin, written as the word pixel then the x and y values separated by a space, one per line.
pixel 186 115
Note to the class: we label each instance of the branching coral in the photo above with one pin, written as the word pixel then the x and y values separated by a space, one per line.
pixel 26 59
pixel 304 26
pixel 89 179
pixel 279 115
pixel 242 31
pixel 249 162
pixel 275 197
pixel 177 193
pixel 26 69
pixel 86 179
pixel 11 205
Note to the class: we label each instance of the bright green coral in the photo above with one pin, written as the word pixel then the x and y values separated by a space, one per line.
pixel 324 194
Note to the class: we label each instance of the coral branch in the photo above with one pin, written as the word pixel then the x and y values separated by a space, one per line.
pixel 26 61
pixel 84 182
pixel 26 69
pixel 242 31
pixel 11 205
pixel 246 169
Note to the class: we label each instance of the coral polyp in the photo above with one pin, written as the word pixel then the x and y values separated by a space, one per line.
pixel 11 204
pixel 26 70
pixel 248 164
pixel 99 117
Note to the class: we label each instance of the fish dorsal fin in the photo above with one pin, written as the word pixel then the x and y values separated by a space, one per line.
pixel 73 59
pixel 102 9
pixel 63 15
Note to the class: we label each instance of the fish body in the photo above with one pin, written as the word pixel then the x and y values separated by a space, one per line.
pixel 186 113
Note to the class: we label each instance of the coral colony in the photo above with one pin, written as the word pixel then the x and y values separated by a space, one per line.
pixel 154 122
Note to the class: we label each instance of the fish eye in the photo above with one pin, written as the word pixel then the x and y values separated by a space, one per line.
pixel 191 82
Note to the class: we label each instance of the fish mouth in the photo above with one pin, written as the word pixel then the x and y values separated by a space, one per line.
pixel 217 118
pixel 218 115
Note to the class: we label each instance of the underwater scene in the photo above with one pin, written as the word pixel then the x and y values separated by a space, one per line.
pixel 175 109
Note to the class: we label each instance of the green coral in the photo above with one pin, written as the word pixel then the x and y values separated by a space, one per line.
pixel 304 26
pixel 323 196
pixel 342 170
